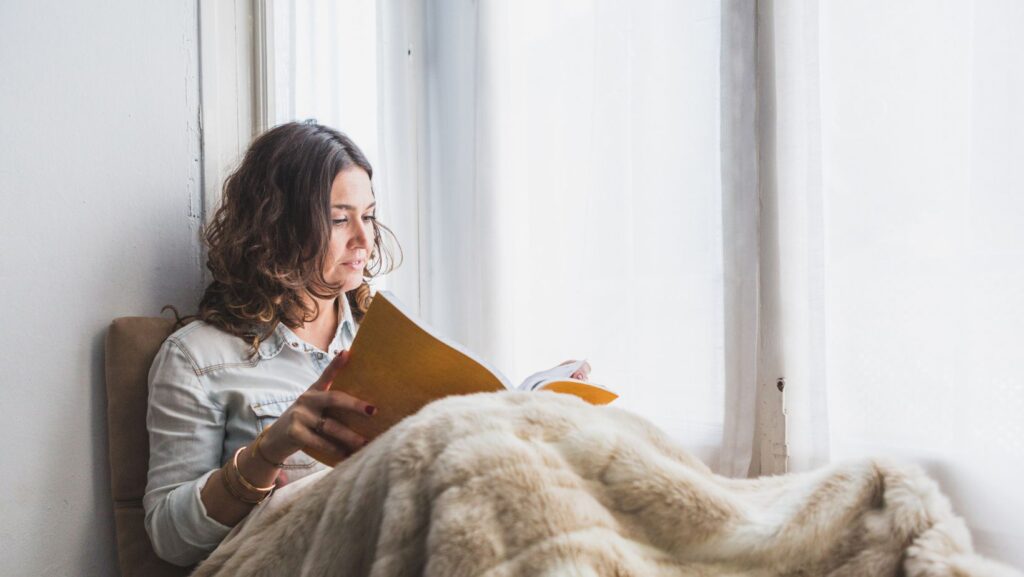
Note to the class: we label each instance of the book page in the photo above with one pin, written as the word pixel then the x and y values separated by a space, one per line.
pixel 558 380
pixel 560 372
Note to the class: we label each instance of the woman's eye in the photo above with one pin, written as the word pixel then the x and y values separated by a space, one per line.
pixel 344 221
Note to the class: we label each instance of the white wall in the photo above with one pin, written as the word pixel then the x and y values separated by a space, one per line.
pixel 101 201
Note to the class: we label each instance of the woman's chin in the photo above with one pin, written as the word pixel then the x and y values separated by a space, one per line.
pixel 352 285
pixel 348 282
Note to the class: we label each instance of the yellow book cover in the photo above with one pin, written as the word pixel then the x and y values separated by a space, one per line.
pixel 399 365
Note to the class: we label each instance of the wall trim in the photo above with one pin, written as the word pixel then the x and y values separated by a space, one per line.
pixel 228 111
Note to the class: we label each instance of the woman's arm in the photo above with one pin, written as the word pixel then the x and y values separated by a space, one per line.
pixel 300 427
pixel 189 508
pixel 227 508
pixel 186 435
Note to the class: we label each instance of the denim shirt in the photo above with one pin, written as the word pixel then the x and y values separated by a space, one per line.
pixel 207 397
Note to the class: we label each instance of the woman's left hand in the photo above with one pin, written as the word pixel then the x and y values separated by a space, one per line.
pixel 582 373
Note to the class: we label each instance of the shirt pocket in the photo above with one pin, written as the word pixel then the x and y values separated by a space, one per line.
pixel 268 412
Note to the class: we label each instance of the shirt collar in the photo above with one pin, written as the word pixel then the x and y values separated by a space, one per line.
pixel 283 337
pixel 275 343
pixel 346 318
pixel 346 329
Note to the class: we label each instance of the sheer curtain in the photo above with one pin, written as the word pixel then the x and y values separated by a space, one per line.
pixel 582 179
pixel 565 162
pixel 568 180
pixel 893 133
pixel 323 65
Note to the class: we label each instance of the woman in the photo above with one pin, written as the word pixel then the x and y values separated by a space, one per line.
pixel 290 251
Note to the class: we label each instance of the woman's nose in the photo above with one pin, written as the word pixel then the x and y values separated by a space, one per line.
pixel 361 237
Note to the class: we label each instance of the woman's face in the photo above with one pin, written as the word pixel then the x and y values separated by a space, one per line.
pixel 352 215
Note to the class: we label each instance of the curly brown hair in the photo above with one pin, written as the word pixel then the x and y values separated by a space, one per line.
pixel 267 243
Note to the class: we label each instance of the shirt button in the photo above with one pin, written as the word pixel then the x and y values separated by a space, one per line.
pixel 319 356
pixel 295 345
pixel 337 352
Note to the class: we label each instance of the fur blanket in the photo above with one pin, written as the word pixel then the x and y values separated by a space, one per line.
pixel 543 484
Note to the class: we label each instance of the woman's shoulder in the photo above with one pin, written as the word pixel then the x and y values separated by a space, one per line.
pixel 208 347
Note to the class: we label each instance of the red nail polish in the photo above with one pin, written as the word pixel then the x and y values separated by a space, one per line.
pixel 370 410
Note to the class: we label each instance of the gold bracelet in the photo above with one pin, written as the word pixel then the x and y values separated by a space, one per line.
pixel 224 474
pixel 245 482
pixel 259 453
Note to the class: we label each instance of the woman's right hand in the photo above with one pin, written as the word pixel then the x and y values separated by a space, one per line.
pixel 299 428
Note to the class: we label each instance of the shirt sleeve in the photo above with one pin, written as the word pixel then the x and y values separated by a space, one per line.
pixel 186 436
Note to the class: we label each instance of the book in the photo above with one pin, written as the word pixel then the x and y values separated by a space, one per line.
pixel 559 380
pixel 398 364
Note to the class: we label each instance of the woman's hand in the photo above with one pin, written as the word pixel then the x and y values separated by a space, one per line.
pixel 582 373
pixel 304 426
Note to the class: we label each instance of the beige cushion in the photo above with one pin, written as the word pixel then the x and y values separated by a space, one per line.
pixel 132 342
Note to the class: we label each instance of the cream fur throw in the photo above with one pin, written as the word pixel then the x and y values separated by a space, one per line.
pixel 540 484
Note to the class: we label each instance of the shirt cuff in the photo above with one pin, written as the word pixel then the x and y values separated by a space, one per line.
pixel 194 524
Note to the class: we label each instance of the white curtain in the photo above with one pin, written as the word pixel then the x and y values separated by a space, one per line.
pixel 323 66
pixel 588 178
pixel 891 134
pixel 566 166
pixel 564 180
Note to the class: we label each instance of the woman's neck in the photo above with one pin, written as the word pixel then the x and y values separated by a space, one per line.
pixel 320 331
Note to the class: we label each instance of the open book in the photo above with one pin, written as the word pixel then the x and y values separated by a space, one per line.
pixel 399 365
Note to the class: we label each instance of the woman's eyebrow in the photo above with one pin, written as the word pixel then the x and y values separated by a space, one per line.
pixel 350 207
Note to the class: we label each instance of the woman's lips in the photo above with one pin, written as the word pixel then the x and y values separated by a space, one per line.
pixel 355 264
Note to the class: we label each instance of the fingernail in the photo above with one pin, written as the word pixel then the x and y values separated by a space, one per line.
pixel 370 410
